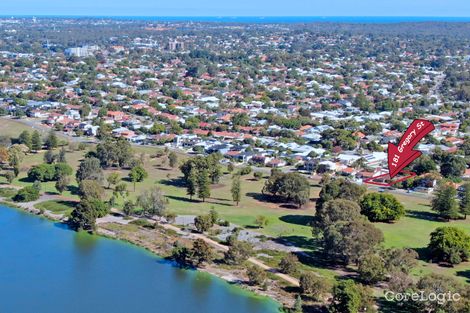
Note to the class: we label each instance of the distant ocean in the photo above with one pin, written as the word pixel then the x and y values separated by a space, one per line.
pixel 274 19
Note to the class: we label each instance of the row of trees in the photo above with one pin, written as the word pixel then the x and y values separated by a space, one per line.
pixel 199 173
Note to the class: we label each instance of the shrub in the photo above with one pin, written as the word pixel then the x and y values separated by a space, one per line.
pixel 288 264
pixel 313 285
pixel 245 170
pixel 27 194
pixel 256 275
pixel 42 172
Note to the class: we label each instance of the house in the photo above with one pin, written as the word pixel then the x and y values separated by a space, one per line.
pixel 186 140
pixel 116 115
pixel 276 163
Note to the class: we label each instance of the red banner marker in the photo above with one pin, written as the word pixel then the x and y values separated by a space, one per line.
pixel 401 155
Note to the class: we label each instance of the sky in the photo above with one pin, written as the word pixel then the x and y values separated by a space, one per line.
pixel 435 8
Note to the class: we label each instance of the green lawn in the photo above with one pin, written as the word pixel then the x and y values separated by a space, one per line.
pixel 7 192
pixel 57 206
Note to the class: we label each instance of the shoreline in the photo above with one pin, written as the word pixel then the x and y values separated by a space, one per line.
pixel 233 276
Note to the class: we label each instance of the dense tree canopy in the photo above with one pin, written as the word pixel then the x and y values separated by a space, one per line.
pixel 449 244
pixel 381 207
pixel 290 187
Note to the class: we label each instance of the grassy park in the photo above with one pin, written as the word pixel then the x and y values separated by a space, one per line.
pixel 284 222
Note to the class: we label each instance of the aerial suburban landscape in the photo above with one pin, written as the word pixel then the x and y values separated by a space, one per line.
pixel 210 165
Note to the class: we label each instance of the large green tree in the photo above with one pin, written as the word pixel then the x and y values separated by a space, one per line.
pixel 137 174
pixel 236 189
pixel 152 202
pixel 337 210
pixel 89 168
pixel 445 203
pixel 348 241
pixel 349 297
pixel 339 188
pixel 449 244
pixel 465 200
pixel 381 207
pixel 290 187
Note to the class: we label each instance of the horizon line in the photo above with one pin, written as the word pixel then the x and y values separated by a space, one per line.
pixel 234 16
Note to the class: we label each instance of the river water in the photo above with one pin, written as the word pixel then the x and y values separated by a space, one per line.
pixel 47 268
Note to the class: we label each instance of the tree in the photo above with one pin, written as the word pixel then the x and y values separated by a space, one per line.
pixel 4 155
pixel 61 157
pixel 261 221
pixel 10 177
pixel 449 244
pixel 291 186
pixel 230 167
pixel 201 252
pixel 339 188
pixel 25 139
pixel 214 215
pixel 453 166
pixel 349 297
pixel 84 215
pixel 256 275
pixel 173 159
pixel 15 158
pixel 465 200
pixel 128 207
pixel 152 202
pixel 121 190
pixel 444 202
pixel 36 141
pixel 298 305
pixel 424 165
pixel 238 253
pixel 236 189
pixel 436 284
pixel 85 110
pixel 114 151
pixel 203 223
pixel 113 179
pixel 90 189
pixel 181 254
pixel 62 170
pixel 289 264
pixel 203 187
pixel 258 175
pixel 192 184
pixel 313 285
pixel 336 210
pixel 51 141
pixel 137 174
pixel 49 157
pixel 27 194
pixel 62 184
pixel 90 169
pixel 399 260
pixel 381 207
pixel 349 240
pixel 371 268
pixel 42 173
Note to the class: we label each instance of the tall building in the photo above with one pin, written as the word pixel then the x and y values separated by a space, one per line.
pixel 81 52
pixel 175 45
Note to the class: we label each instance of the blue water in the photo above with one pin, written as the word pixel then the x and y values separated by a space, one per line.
pixel 46 268
pixel 278 19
